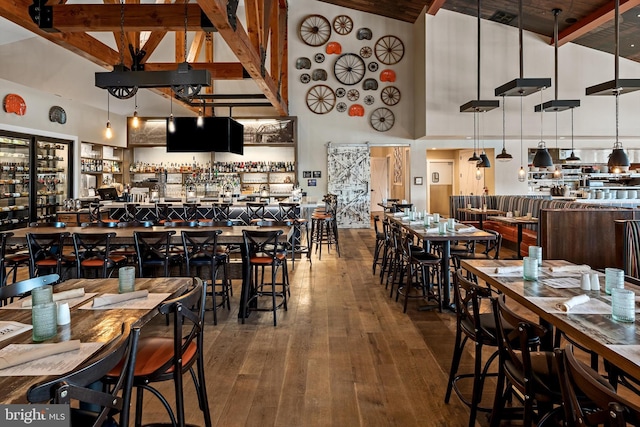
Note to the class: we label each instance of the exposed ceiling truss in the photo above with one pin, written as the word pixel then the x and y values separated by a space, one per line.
pixel 139 28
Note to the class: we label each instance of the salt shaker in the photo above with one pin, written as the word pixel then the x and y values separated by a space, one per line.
pixel 594 282
pixel 585 283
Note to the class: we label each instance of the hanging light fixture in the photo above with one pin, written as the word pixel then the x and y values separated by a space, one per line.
pixel 572 158
pixel 475 158
pixel 171 125
pixel 484 159
pixel 557 173
pixel 200 119
pixel 108 132
pixel 135 122
pixel 618 159
pixel 522 174
pixel 504 156
pixel 542 159
pixel 478 173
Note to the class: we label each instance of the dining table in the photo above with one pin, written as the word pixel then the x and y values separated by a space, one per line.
pixel 519 222
pixel 430 235
pixel 87 325
pixel 481 213
pixel 591 323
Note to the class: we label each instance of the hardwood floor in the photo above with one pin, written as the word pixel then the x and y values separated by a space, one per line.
pixel 344 354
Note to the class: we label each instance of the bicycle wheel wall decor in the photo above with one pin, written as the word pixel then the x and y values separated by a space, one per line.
pixel 382 119
pixel 342 24
pixel 390 95
pixel 315 30
pixel 321 99
pixel 349 69
pixel 389 50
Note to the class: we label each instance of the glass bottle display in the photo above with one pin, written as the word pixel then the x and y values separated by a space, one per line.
pixel 52 173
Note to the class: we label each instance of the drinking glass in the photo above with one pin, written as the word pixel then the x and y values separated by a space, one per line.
pixel 451 224
pixel 536 252
pixel 442 227
pixel 427 221
pixel 126 279
pixel 436 218
pixel 623 305
pixel 613 278
pixel 45 321
pixel 530 268
pixel 41 295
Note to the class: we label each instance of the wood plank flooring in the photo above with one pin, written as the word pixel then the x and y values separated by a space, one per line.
pixel 344 354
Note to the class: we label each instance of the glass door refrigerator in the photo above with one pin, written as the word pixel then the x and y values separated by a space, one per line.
pixel 15 180
pixel 52 182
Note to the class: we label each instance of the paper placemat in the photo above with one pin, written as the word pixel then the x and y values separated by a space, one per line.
pixel 593 306
pixel 562 282
pixel 56 364
pixel 17 305
pixel 491 271
pixel 135 304
pixel 10 329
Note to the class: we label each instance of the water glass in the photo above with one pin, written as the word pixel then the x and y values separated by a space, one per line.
pixel 613 278
pixel 530 268
pixel 623 305
pixel 536 252
pixel 427 221
pixel 436 218
pixel 41 295
pixel 442 227
pixel 126 279
pixel 451 224
pixel 406 211
pixel 45 321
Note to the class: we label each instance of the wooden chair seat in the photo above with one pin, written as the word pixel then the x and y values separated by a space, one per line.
pixel 153 352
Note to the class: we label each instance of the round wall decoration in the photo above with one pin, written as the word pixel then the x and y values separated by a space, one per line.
pixel 341 107
pixel 349 69
pixel 382 119
pixel 315 30
pixel 57 114
pixel 14 104
pixel 366 52
pixel 390 95
pixel 372 66
pixel 389 50
pixel 342 25
pixel 340 92
pixel 305 78
pixel 369 99
pixel 318 57
pixel 353 95
pixel 321 99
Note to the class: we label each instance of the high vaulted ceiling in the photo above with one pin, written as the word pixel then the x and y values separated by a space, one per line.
pixel 140 25
pixel 585 22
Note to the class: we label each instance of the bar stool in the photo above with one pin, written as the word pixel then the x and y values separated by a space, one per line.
pixel 256 212
pixel 163 214
pixel 11 259
pixel 324 228
pixel 95 214
pixel 290 212
pixel 423 273
pixel 130 212
pixel 46 253
pixel 221 211
pixel 380 241
pixel 93 252
pixel 190 211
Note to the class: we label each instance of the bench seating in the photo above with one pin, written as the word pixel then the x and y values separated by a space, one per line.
pixel 523 204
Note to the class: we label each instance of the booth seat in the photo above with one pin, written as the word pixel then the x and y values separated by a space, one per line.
pixel 523 204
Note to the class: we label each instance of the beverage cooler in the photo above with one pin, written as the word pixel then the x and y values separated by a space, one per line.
pixel 34 178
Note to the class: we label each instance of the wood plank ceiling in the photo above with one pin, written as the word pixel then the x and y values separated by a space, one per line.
pixel 266 22
pixel 585 22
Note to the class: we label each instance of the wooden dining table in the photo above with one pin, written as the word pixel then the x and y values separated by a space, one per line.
pixel 617 342
pixel 86 325
pixel 481 213
pixel 445 240
pixel 519 222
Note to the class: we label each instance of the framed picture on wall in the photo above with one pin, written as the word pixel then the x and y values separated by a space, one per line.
pixel 306 174
pixel 311 182
pixel 417 180
pixel 317 174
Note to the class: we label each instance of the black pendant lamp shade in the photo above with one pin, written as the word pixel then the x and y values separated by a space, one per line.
pixel 572 158
pixel 618 158
pixel 484 161
pixel 504 156
pixel 542 159
pixel 475 158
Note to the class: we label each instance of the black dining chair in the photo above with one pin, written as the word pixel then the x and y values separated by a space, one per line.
pixel 22 288
pixel 153 250
pixel 93 406
pixel 93 252
pixel 46 253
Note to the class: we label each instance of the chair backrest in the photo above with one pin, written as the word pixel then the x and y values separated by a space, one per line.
pixel 221 211
pixel 23 287
pixel 376 221
pixel 289 211
pixel 190 211
pixel 492 248
pixel 255 210
pixel 94 212
pixel 76 386
pixel 55 224
pixel 200 246
pixel 130 212
pixel 92 246
pixel 605 407
pixel 3 249
pixel 400 207
pixel 331 204
pixel 468 298
pixel 162 212
pixel 265 243
pixel 153 247
pixel 45 246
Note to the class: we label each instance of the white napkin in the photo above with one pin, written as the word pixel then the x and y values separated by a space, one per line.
pixel 510 269
pixel 108 299
pixel 59 296
pixel 466 229
pixel 433 230
pixel 398 214
pixel 570 268
pixel 416 223
pixel 38 351
pixel 572 302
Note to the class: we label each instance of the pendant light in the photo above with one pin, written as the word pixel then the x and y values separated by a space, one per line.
pixel 171 125
pixel 135 122
pixel 572 158
pixel 618 158
pixel 200 119
pixel 478 105
pixel 542 159
pixel 108 132
pixel 504 156
pixel 522 174
pixel 484 159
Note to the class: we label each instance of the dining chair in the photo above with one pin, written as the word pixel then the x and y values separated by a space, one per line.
pixel 95 214
pixel 153 250
pixel 10 262
pixel 256 212
pixel 93 252
pixel 20 289
pixel 46 253
pixel 524 368
pixel 474 323
pixel 201 250
pixel 92 406
pixel 169 356
pixel 221 211
pixel 299 242
pixel 589 399
pixel 379 245
pixel 190 211
pixel 261 249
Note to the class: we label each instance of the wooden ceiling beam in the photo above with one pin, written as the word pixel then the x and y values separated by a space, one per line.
pixel 253 23
pixel 240 44
pixel 594 20
pixel 218 70
pixel 208 58
pixel 281 28
pixel 435 6
pixel 71 18
pixel 196 46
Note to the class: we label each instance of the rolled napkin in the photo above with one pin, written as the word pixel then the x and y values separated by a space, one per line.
pixel 433 230
pixel 412 223
pixel 466 229
pixel 572 302
pixel 59 296
pixel 570 268
pixel 108 299
pixel 398 214
pixel 38 351
pixel 510 269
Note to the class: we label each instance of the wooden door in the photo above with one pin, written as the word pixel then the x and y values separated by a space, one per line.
pixel 349 171
pixel 379 182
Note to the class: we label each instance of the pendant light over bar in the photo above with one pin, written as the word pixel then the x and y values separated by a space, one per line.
pixel 479 105
pixel 556 105
pixel 522 86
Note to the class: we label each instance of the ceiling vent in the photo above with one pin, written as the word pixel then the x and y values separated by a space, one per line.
pixel 502 17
